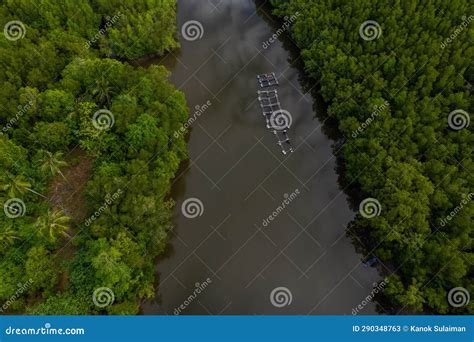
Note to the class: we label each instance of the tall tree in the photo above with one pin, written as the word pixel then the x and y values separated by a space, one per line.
pixel 52 163
pixel 53 225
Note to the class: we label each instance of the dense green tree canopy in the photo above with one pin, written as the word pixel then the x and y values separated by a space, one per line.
pixel 63 89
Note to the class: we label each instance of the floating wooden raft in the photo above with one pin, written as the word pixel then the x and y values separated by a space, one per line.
pixel 270 104
pixel 284 141
pixel 267 80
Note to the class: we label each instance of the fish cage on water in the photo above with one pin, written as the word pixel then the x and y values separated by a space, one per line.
pixel 272 112
pixel 267 80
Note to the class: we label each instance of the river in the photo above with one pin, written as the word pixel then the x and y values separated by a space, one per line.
pixel 237 172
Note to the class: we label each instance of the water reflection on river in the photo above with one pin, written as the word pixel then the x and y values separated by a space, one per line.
pixel 238 173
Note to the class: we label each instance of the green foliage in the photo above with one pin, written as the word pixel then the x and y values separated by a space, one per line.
pixel 53 225
pixel 55 104
pixel 61 304
pixel 407 157
pixel 41 270
pixel 52 135
pixel 53 81
pixel 91 139
pixel 138 28
pixel 7 237
pixel 52 162
pixel 12 156
pixel 14 185
pixel 11 274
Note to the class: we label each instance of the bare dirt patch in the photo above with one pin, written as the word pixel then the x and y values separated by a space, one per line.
pixel 67 193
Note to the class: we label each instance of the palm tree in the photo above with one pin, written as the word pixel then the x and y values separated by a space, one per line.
pixel 52 163
pixel 14 186
pixel 103 90
pixel 7 237
pixel 53 225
